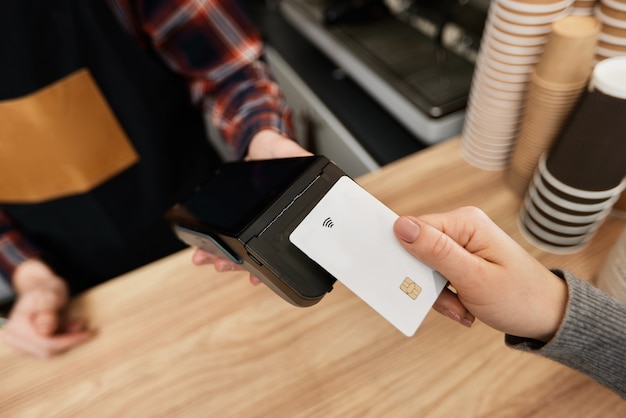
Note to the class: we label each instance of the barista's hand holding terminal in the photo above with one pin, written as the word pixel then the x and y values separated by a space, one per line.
pixel 86 201
pixel 265 145
pixel 551 313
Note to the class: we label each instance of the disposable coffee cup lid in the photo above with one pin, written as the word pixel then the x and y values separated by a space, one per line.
pixel 608 77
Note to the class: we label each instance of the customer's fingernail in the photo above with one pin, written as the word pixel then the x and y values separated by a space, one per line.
pixel 451 314
pixel 407 230
pixel 467 320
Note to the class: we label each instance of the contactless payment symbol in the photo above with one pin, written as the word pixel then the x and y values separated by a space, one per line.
pixel 411 288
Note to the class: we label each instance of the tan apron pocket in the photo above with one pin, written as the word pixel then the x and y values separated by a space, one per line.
pixel 60 141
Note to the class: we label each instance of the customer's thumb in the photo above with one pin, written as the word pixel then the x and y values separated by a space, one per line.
pixel 432 247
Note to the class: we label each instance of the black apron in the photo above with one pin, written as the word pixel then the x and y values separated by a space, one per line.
pixel 99 139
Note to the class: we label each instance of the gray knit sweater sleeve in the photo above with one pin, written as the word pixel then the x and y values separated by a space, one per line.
pixel 591 338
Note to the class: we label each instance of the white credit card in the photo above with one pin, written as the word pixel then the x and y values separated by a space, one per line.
pixel 349 233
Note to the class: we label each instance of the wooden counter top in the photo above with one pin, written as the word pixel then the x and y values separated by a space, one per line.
pixel 178 340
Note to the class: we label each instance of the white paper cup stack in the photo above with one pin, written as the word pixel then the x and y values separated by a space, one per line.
pixel 612 39
pixel 584 7
pixel 515 34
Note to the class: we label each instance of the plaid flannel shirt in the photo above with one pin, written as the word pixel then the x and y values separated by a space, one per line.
pixel 215 47
pixel 14 248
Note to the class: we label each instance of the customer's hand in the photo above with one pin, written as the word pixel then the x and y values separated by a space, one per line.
pixel 36 324
pixel 496 280
pixel 266 144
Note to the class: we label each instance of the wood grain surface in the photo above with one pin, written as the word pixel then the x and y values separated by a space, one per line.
pixel 175 340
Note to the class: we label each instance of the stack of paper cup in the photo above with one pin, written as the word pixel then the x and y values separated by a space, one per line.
pixel 584 7
pixel 612 277
pixel 514 37
pixel 584 174
pixel 612 39
pixel 555 86
pixel 560 218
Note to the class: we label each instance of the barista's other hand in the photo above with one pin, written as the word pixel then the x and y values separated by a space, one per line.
pixel 497 280
pixel 36 325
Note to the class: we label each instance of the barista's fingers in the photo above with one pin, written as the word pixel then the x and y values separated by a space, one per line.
pixel 222 265
pixel 255 280
pixel 201 257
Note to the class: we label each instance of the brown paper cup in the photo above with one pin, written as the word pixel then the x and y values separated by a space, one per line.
pixel 569 51
pixel 557 220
